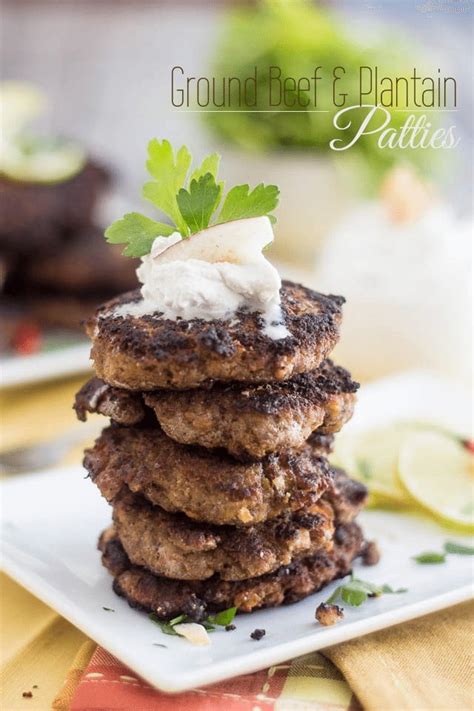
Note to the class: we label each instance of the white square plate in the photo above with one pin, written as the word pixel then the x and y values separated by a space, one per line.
pixel 51 522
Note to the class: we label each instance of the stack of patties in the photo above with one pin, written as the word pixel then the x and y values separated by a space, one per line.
pixel 215 461
pixel 57 266
pixel 54 264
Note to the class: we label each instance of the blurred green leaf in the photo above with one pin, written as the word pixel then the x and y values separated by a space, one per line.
pixel 298 36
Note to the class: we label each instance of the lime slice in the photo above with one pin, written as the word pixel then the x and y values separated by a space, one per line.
pixel 41 160
pixel 29 158
pixel 437 472
pixel 372 457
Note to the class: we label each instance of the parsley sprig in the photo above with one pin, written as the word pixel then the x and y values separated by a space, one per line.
pixel 221 619
pixel 191 203
pixel 356 591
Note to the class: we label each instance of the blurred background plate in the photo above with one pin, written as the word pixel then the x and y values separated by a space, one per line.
pixel 28 369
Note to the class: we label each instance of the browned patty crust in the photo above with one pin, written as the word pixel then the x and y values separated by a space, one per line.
pixel 149 352
pixel 207 486
pixel 346 496
pixel 174 546
pixel 168 598
pixel 122 406
pixel 249 421
pixel 254 420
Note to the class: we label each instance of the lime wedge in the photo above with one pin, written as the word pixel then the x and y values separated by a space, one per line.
pixel 372 457
pixel 437 472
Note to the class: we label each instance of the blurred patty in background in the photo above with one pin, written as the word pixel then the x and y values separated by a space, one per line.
pixel 54 263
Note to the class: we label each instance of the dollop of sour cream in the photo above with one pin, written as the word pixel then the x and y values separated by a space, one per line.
pixel 211 276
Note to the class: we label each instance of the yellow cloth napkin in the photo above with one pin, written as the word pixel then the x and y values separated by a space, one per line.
pixel 74 675
pixel 37 413
pixel 37 646
pixel 422 665
pixel 37 649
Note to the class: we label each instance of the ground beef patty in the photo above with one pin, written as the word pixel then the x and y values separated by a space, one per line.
pixel 249 421
pixel 254 420
pixel 33 216
pixel 122 406
pixel 168 598
pixel 147 352
pixel 85 265
pixel 347 496
pixel 207 486
pixel 174 546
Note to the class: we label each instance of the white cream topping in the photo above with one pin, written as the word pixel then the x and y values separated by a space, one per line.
pixel 211 275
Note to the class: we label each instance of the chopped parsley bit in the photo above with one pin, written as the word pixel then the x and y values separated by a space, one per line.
pixel 429 557
pixel 458 548
pixel 257 634
pixel 356 591
pixel 449 547
pixel 108 609
pixel 221 619
pixel 157 644
pixel 190 203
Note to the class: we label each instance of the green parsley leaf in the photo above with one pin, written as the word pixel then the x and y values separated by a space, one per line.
pixel 137 232
pixel 364 586
pixel 223 618
pixel 335 595
pixel 240 203
pixel 169 173
pixel 353 597
pixel 458 548
pixel 210 165
pixel 356 591
pixel 198 204
pixel 430 557
pixel 190 204
pixel 166 627
pixel 108 609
